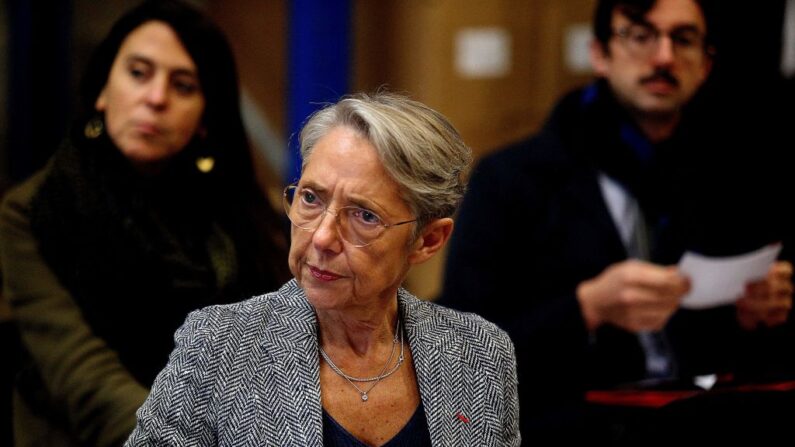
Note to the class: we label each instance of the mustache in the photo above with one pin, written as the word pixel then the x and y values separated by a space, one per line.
pixel 661 75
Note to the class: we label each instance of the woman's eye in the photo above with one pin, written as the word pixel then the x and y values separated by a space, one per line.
pixel 139 70
pixel 185 87
pixel 308 197
pixel 367 216
pixel 137 73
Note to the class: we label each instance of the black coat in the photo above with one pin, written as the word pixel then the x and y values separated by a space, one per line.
pixel 534 224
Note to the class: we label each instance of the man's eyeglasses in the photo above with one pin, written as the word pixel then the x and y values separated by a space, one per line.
pixel 359 227
pixel 643 40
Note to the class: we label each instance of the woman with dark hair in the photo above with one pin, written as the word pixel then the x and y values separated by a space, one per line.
pixel 148 210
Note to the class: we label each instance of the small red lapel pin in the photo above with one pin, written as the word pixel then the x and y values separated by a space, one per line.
pixel 462 418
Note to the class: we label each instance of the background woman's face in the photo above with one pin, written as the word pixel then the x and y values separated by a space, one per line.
pixel 153 102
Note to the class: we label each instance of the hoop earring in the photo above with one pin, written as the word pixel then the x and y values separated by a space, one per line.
pixel 94 127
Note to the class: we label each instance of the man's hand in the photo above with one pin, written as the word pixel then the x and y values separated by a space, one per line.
pixel 633 295
pixel 768 301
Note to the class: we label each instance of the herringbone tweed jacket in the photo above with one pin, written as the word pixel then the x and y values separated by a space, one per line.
pixel 247 374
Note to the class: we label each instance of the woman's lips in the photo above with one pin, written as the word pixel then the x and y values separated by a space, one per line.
pixel 147 129
pixel 323 275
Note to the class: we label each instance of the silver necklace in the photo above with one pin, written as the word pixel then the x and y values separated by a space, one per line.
pixel 383 374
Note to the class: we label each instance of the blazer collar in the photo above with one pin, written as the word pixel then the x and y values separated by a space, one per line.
pixel 437 351
pixel 292 368
pixel 438 355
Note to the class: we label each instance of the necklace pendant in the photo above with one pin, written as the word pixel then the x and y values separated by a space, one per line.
pixel 364 397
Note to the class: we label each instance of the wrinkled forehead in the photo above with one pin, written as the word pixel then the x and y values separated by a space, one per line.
pixel 345 161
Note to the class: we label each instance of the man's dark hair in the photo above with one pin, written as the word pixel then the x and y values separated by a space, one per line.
pixel 635 11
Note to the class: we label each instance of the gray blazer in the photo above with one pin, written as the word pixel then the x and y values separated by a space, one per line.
pixel 247 374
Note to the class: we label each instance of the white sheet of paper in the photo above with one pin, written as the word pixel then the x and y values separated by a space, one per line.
pixel 716 281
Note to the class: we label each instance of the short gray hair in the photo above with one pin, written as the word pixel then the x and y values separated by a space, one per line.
pixel 417 146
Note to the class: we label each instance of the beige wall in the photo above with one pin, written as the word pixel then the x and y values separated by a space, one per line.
pixel 257 32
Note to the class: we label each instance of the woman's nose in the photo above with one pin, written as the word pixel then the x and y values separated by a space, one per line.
pixel 157 92
pixel 326 235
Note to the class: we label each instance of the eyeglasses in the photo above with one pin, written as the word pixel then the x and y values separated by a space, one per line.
pixel 359 227
pixel 644 40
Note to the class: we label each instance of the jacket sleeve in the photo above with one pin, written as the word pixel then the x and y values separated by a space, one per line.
pixel 492 264
pixel 84 378
pixel 180 410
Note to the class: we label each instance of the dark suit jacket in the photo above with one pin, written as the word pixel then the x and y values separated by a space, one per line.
pixel 534 224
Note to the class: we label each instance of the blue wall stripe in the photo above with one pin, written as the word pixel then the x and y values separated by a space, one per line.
pixel 318 66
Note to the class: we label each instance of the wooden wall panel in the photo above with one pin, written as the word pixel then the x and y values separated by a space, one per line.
pixel 257 32
pixel 408 45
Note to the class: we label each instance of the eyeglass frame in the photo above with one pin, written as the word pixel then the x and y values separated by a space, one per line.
pixel 287 205
pixel 678 42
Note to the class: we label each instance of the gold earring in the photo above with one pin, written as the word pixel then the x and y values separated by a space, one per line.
pixel 94 128
pixel 205 164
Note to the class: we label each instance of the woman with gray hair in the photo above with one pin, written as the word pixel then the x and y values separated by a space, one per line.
pixel 342 355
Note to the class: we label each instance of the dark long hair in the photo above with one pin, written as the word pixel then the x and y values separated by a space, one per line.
pixel 160 244
pixel 232 179
pixel 210 51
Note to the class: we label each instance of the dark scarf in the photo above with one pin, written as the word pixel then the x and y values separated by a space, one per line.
pixel 138 253
pixel 689 186
pixel 625 154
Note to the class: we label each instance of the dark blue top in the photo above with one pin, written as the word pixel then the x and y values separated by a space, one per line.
pixel 415 433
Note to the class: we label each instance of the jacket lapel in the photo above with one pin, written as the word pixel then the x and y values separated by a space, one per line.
pixel 586 191
pixel 439 363
pixel 292 380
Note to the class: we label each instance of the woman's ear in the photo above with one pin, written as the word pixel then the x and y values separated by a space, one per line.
pixel 432 239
